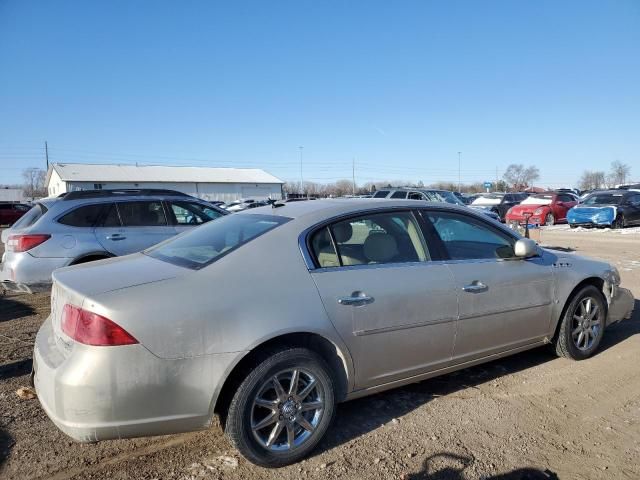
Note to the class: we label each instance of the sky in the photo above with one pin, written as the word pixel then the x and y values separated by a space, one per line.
pixel 394 88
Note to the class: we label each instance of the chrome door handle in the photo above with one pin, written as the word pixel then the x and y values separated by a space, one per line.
pixel 356 299
pixel 116 236
pixel 475 287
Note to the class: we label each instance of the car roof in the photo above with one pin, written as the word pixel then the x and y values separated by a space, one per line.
pixel 333 207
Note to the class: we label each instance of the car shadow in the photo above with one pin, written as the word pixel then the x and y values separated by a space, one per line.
pixel 361 416
pixel 16 369
pixel 6 443
pixel 450 466
pixel 10 309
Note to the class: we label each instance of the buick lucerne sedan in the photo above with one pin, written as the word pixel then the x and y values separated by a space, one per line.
pixel 339 299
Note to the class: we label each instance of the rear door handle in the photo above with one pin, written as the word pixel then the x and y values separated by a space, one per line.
pixel 475 287
pixel 116 236
pixel 356 299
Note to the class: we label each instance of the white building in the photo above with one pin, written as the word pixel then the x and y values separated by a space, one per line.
pixel 14 195
pixel 224 184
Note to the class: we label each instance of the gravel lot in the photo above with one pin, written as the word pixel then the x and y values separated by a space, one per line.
pixel 514 418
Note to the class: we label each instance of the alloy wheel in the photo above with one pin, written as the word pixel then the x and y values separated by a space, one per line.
pixel 586 324
pixel 287 409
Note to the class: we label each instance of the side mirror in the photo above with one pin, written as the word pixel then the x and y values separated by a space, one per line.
pixel 526 248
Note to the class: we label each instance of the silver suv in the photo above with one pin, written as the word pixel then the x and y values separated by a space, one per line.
pixel 88 225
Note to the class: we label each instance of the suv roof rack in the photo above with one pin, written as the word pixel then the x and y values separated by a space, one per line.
pixel 138 192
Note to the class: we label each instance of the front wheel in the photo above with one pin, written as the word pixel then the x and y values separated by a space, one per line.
pixel 583 325
pixel 282 409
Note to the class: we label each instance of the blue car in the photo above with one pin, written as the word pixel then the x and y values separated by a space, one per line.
pixel 612 208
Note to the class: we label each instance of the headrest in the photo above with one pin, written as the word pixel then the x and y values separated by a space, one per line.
pixel 380 247
pixel 342 232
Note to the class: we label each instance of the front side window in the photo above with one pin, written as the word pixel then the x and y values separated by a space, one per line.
pixel 190 213
pixel 85 216
pixel 142 214
pixel 466 238
pixel 201 246
pixel 371 239
pixel 399 194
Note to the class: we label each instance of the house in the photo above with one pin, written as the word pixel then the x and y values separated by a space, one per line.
pixel 208 183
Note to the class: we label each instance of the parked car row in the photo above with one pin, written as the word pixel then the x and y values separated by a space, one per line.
pixel 11 212
pixel 378 294
pixel 611 208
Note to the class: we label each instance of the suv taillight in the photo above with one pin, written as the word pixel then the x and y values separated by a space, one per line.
pixel 93 329
pixel 22 243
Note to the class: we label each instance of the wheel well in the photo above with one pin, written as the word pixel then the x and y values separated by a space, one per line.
pixel 316 343
pixel 595 281
pixel 90 258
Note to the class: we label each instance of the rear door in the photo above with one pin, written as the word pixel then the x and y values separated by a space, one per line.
pixel 132 226
pixel 504 302
pixel 393 306
pixel 632 209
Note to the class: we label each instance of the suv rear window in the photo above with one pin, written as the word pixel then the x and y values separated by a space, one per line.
pixel 31 216
pixel 85 216
pixel 203 245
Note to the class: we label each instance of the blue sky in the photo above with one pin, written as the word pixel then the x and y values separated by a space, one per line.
pixel 399 86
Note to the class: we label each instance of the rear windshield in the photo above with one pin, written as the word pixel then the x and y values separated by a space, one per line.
pixel 603 199
pixel 31 216
pixel 203 245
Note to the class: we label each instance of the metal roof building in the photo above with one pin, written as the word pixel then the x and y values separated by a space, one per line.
pixel 225 184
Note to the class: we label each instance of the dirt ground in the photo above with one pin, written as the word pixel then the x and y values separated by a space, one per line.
pixel 528 416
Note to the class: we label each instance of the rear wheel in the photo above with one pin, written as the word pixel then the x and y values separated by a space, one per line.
pixel 583 325
pixel 619 222
pixel 550 219
pixel 282 409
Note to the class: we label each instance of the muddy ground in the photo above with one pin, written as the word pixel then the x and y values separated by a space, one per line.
pixel 528 416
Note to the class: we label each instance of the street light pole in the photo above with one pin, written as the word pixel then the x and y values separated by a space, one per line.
pixel 301 178
pixel 459 171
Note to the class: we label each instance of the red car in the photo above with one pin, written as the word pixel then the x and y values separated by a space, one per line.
pixel 542 208
pixel 11 212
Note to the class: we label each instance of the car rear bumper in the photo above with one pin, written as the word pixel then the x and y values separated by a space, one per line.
pixel 620 305
pixel 102 393
pixel 22 272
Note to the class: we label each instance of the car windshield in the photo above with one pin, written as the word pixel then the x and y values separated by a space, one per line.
pixel 488 200
pixel 538 200
pixel 203 245
pixel 603 199
pixel 449 197
pixel 31 216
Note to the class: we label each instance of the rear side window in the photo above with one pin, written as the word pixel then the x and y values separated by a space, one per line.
pixel 202 246
pixel 31 217
pixel 381 194
pixel 372 239
pixel 142 214
pixel 85 216
pixel 399 194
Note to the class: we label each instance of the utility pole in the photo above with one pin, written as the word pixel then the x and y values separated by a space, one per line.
pixel 301 178
pixel 459 171
pixel 353 172
pixel 46 153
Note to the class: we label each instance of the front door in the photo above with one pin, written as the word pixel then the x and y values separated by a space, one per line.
pixel 393 306
pixel 504 302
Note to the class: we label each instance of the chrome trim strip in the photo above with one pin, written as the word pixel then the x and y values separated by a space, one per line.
pixel 499 312
pixel 373 331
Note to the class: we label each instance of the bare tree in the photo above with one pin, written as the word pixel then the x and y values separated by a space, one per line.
pixel 619 173
pixel 519 176
pixel 592 180
pixel 34 179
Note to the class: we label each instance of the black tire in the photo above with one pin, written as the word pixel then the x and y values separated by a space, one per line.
pixel 573 226
pixel 549 219
pixel 619 222
pixel 240 420
pixel 570 341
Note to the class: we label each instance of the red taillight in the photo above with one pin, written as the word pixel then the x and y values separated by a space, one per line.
pixel 22 243
pixel 93 329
